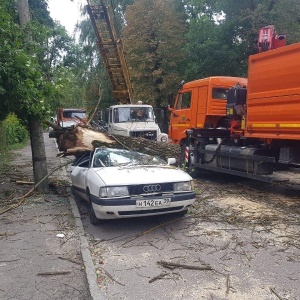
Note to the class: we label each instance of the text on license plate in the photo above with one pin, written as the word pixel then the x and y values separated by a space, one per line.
pixel 153 203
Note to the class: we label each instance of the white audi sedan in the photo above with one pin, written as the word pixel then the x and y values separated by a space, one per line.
pixel 118 183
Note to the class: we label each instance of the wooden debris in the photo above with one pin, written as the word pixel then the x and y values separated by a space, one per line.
pixel 24 182
pixel 82 139
pixel 69 259
pixel 183 266
pixel 111 277
pixel 160 276
pixel 22 198
pixel 275 293
pixel 227 284
pixel 54 273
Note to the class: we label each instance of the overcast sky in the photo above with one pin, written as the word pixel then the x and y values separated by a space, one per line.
pixel 67 12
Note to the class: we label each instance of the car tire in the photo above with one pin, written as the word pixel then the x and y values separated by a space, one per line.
pixel 93 219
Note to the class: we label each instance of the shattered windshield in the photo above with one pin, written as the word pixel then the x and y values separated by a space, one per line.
pixel 133 114
pixel 106 157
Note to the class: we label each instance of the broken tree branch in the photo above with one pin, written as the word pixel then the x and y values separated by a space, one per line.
pixel 160 276
pixel 183 266
pixel 111 278
pixel 22 198
pixel 275 293
pixel 54 273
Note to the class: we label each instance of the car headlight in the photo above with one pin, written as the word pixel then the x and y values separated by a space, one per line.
pixel 113 191
pixel 183 186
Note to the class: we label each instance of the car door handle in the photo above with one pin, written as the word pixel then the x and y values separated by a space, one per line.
pixel 175 116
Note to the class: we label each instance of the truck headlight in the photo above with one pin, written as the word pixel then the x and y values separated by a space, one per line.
pixel 113 192
pixel 183 186
pixel 163 139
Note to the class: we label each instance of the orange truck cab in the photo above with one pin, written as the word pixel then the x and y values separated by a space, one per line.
pixel 200 104
pixel 70 117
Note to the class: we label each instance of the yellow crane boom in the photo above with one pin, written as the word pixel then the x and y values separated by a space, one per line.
pixel 111 49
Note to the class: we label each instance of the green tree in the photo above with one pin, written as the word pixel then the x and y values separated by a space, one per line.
pixel 92 73
pixel 287 14
pixel 154 40
pixel 37 70
pixel 222 34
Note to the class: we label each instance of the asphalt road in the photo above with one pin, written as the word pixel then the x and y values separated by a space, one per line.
pixel 239 241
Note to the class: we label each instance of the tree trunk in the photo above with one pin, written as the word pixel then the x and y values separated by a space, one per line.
pixel 82 139
pixel 36 130
pixel 23 9
pixel 39 161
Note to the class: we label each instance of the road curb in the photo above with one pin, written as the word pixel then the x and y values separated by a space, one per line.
pixel 89 267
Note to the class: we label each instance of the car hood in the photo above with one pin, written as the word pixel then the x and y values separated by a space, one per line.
pixel 141 174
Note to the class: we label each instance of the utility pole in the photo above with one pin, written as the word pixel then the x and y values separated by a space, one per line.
pixel 39 162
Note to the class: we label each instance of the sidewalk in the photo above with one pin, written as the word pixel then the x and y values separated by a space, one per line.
pixel 43 251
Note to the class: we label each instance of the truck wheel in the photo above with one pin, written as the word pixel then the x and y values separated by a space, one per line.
pixel 182 154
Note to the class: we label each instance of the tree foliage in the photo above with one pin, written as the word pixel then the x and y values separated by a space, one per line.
pixel 154 39
pixel 21 84
pixel 39 74
pixel 93 75
pixel 223 33
pixel 165 42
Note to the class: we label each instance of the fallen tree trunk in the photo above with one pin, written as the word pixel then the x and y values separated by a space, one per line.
pixel 80 139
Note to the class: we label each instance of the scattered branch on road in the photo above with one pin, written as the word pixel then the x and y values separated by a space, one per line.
pixel 22 198
pixel 24 182
pixel 227 284
pixel 71 260
pixel 153 228
pixel 160 276
pixel 275 293
pixel 110 277
pixel 183 266
pixel 54 273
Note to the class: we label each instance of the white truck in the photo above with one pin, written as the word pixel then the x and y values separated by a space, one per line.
pixel 135 120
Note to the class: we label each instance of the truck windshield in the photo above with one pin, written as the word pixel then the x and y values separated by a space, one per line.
pixel 133 114
pixel 74 114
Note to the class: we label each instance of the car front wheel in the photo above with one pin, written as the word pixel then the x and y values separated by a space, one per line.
pixel 93 219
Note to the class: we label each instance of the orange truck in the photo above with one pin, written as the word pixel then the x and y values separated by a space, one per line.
pixel 252 133
pixel 200 104
pixel 68 118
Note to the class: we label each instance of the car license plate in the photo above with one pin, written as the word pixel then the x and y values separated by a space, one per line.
pixel 153 203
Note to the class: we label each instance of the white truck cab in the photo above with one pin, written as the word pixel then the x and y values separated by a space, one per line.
pixel 135 120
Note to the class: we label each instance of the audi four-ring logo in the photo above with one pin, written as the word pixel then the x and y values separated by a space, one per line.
pixel 151 188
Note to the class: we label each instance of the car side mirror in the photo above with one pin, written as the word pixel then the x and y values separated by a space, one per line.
pixel 171 161
pixel 171 100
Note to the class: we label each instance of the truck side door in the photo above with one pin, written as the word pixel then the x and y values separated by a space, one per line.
pixel 181 115
pixel 202 106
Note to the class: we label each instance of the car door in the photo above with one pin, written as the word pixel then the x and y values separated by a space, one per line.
pixel 79 173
